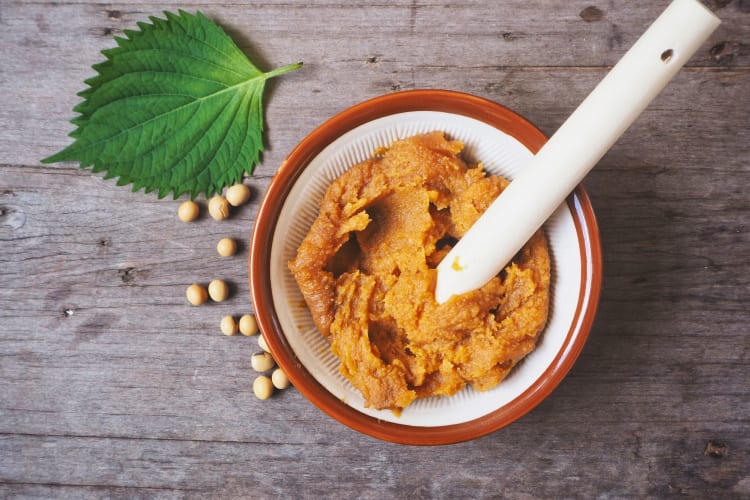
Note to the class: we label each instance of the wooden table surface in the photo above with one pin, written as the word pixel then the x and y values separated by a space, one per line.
pixel 112 386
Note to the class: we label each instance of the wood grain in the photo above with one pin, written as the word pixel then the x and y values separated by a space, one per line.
pixel 112 386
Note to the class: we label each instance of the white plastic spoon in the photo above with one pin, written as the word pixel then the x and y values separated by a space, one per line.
pixel 575 148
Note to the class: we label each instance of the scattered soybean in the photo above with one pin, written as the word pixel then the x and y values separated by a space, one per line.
pixel 248 325
pixel 218 290
pixel 262 362
pixel 196 294
pixel 262 387
pixel 226 247
pixel 262 343
pixel 228 326
pixel 279 379
pixel 238 195
pixel 188 211
pixel 218 207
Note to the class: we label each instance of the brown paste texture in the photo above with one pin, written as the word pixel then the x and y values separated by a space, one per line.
pixel 367 272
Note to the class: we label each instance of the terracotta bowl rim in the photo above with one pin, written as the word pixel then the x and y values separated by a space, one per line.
pixel 264 228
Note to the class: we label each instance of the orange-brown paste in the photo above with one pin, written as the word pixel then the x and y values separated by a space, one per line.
pixel 367 272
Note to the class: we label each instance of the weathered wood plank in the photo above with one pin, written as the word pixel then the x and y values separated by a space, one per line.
pixel 231 469
pixel 710 104
pixel 512 33
pixel 356 56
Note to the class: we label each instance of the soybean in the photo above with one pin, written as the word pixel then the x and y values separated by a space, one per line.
pixel 262 362
pixel 238 195
pixel 218 290
pixel 228 326
pixel 263 387
pixel 218 208
pixel 248 325
pixel 196 294
pixel 279 379
pixel 226 247
pixel 262 343
pixel 188 211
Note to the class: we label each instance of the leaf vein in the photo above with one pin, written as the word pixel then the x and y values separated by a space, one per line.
pixel 194 102
pixel 166 52
pixel 176 106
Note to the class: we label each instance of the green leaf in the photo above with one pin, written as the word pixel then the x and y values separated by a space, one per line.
pixel 175 107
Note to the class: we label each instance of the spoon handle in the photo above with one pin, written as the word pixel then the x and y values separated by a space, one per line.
pixel 581 141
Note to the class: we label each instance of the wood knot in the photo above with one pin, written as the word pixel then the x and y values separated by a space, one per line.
pixel 493 87
pixel 67 312
pixel 591 14
pixel 717 4
pixel 716 449
pixel 114 14
pixel 12 216
pixel 104 242
pixel 724 52
pixel 372 60
pixel 127 275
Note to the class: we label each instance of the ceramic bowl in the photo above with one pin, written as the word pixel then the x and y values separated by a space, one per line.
pixel 504 142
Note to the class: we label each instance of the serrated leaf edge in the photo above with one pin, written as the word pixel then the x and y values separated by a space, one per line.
pixel 69 153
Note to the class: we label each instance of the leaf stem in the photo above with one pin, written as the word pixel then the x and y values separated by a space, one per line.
pixel 282 70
